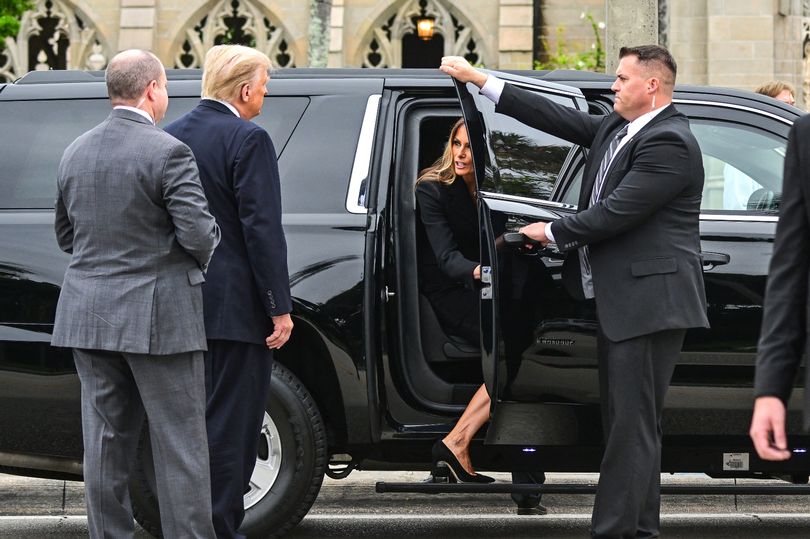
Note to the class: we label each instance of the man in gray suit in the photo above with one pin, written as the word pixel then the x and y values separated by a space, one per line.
pixel 131 211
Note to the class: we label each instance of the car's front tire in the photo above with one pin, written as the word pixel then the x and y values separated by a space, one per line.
pixel 289 468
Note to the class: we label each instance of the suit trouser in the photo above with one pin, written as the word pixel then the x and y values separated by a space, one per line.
pixel 237 383
pixel 118 389
pixel 634 376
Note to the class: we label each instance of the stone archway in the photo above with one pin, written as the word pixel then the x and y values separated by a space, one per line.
pixel 244 22
pixel 53 35
pixel 383 44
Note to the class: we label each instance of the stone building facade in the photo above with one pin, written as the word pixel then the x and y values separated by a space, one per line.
pixel 718 42
pixel 83 34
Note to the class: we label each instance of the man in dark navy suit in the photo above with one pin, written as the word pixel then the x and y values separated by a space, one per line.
pixel 246 297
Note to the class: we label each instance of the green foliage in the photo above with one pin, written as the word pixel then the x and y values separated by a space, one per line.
pixel 592 59
pixel 10 13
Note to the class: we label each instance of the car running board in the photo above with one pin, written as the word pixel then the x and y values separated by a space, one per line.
pixel 562 488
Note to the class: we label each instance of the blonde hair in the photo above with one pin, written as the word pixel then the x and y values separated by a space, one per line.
pixel 229 67
pixel 442 170
pixel 776 87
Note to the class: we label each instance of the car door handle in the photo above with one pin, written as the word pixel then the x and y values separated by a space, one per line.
pixel 527 246
pixel 710 259
pixel 516 239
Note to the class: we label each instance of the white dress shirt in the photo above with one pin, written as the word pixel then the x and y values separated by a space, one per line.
pixel 230 107
pixel 137 111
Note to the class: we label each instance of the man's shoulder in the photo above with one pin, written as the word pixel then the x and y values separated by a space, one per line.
pixel 803 123
pixel 672 122
pixel 92 137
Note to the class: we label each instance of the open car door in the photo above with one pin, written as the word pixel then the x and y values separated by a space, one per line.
pixel 534 336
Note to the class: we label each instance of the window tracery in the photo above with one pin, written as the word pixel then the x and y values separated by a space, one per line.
pixel 53 35
pixel 383 46
pixel 239 22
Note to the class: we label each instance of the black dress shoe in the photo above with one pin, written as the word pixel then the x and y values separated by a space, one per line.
pixel 538 509
pixel 445 464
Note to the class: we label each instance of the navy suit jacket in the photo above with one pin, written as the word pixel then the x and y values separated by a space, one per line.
pixel 247 280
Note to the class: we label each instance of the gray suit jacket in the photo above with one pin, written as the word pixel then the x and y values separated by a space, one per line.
pixel 131 210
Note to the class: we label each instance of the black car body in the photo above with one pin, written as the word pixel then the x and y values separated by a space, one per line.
pixel 368 378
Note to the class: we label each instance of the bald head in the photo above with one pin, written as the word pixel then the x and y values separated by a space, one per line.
pixel 129 73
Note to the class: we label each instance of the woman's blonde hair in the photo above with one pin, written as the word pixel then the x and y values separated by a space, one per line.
pixel 229 67
pixel 443 170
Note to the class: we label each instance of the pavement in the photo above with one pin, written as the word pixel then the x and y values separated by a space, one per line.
pixel 351 508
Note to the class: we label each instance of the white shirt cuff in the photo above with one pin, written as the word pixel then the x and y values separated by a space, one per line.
pixel 549 235
pixel 493 88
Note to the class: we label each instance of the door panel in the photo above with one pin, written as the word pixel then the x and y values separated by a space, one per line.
pixel 540 344
pixel 517 168
pixel 711 390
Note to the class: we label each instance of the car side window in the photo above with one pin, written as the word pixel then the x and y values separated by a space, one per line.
pixel 528 160
pixel 743 166
pixel 280 115
pixel 30 148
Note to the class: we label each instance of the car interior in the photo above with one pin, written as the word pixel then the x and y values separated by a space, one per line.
pixel 441 370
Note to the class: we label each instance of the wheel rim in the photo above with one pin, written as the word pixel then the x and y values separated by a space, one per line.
pixel 268 463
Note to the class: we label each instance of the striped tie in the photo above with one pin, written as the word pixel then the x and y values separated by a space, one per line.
pixel 603 166
pixel 598 184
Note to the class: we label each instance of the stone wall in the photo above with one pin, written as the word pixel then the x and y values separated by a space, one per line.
pixel 719 42
pixel 737 44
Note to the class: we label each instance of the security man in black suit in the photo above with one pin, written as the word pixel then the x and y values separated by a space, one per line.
pixel 783 339
pixel 634 246
pixel 246 297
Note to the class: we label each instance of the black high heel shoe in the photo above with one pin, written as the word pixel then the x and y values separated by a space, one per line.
pixel 446 465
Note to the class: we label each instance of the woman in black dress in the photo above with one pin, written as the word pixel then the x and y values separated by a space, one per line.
pixel 448 253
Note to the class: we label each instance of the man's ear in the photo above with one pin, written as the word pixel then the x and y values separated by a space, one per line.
pixel 150 90
pixel 652 84
pixel 245 92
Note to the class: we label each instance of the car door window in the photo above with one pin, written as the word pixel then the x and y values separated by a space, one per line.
pixel 30 148
pixel 743 166
pixel 527 160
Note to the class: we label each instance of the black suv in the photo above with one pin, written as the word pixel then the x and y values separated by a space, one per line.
pixel 369 379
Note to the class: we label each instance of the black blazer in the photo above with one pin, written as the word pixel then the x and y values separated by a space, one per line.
pixel 783 339
pixel 643 234
pixel 247 279
pixel 447 236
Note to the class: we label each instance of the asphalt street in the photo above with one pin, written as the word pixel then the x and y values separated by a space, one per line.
pixel 350 508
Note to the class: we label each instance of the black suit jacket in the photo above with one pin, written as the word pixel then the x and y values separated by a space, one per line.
pixel 447 236
pixel 643 233
pixel 247 280
pixel 783 339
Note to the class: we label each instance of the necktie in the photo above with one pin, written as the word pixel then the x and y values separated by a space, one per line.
pixel 598 184
pixel 603 166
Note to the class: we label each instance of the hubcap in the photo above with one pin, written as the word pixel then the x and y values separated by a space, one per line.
pixel 268 463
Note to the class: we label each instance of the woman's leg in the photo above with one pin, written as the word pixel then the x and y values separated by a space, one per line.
pixel 475 415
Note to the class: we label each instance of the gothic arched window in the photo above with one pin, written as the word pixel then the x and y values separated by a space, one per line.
pixel 239 22
pixel 52 36
pixel 383 47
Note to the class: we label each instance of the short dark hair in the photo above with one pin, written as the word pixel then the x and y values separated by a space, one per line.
pixel 130 72
pixel 652 54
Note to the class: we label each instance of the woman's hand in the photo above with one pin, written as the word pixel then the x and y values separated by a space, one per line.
pixel 477 272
